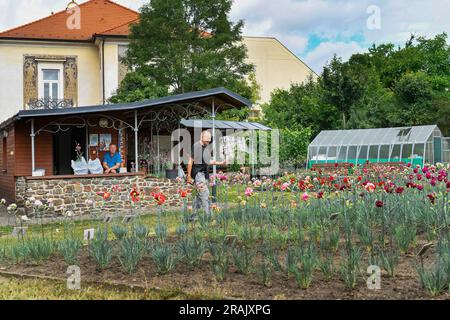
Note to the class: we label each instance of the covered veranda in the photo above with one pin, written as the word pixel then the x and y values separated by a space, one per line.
pixel 136 128
pixel 39 144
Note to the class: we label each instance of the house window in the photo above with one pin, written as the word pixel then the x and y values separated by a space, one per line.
pixel 50 81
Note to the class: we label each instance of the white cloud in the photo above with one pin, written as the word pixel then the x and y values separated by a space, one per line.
pixel 294 21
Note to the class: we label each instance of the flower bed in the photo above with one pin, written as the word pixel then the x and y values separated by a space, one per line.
pixel 304 235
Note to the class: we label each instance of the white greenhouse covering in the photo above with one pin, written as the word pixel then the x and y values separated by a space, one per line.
pixel 416 145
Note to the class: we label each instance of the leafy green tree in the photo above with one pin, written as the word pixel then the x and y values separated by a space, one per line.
pixel 137 87
pixel 294 146
pixel 186 45
pixel 341 87
pixel 299 107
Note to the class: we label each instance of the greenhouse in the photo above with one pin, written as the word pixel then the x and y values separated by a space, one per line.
pixel 416 145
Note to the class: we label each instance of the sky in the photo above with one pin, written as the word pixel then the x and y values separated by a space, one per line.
pixel 314 30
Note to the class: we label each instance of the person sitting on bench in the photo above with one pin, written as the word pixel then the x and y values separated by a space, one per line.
pixel 112 160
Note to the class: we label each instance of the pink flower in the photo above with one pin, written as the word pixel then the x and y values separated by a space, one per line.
pixel 249 192
pixel 257 183
pixel 370 187
pixel 305 196
pixel 284 186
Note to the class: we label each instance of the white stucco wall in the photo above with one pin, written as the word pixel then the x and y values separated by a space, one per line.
pixel 11 72
pixel 276 67
pixel 111 69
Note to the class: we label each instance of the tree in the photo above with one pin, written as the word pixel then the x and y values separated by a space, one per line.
pixel 300 106
pixel 341 87
pixel 187 45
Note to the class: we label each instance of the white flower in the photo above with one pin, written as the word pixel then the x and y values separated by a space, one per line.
pixel 38 203
pixel 25 218
pixel 32 199
pixel 89 202
pixel 3 201
pixel 69 213
pixel 12 207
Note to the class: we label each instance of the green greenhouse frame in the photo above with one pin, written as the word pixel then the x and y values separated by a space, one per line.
pixel 417 145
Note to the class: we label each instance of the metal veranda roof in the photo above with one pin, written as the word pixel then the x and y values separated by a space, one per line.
pixel 223 99
pixel 359 137
pixel 220 124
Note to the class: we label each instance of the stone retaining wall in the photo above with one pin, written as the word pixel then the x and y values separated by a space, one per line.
pixel 71 194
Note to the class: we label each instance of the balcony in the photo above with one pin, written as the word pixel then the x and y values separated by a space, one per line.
pixel 49 103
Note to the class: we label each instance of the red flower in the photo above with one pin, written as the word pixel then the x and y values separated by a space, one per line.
pixel 419 187
pixel 432 197
pixel 106 195
pixel 183 193
pixel 159 197
pixel 134 195
pixel 399 190
pixel 379 203
pixel 448 185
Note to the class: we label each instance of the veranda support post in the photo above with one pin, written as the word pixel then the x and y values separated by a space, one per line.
pixel 136 129
pixel 33 155
pixel 213 116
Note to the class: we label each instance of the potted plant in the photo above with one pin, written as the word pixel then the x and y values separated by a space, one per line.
pixel 171 173
pixel 79 166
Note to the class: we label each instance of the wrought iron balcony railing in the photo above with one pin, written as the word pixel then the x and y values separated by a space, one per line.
pixel 48 103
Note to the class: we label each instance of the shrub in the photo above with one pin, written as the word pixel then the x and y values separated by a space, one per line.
pixel 305 265
pixel 119 231
pixel 131 251
pixel 101 249
pixel 350 267
pixel 404 237
pixel 243 259
pixel 39 249
pixel 192 249
pixel 264 273
pixel 434 280
pixel 164 257
pixel 140 231
pixel 18 252
pixel 220 259
pixel 390 259
pixel 69 249
pixel 161 231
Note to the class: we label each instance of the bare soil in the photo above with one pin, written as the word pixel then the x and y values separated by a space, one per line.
pixel 201 282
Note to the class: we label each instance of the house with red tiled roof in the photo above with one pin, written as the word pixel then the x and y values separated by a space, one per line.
pixel 73 57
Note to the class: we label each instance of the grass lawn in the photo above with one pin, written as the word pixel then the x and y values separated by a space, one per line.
pixel 32 289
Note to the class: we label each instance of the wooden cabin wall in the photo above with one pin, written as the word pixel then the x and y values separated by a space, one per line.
pixel 7 166
pixel 114 138
pixel 43 150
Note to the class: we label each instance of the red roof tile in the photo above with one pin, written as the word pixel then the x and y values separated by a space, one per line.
pixel 97 17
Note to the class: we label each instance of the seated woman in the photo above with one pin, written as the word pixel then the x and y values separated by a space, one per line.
pixel 112 160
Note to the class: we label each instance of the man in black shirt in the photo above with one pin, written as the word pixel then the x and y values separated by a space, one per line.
pixel 197 172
